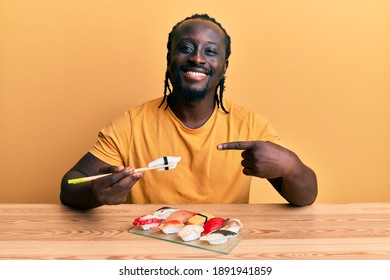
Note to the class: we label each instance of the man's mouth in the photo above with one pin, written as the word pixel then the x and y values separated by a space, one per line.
pixel 195 74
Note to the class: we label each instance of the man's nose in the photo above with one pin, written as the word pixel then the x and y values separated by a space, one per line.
pixel 197 57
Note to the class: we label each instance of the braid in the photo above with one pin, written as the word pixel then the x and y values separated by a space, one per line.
pixel 221 84
pixel 166 87
pixel 219 97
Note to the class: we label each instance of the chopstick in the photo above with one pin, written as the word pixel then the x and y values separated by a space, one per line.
pixel 91 178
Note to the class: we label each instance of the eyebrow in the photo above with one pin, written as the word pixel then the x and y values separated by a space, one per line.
pixel 190 39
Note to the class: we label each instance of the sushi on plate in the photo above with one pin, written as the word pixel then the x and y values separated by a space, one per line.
pixel 181 215
pixel 169 227
pixel 199 219
pixel 214 238
pixel 212 225
pixel 147 221
pixel 190 232
pixel 164 212
pixel 233 225
pixel 218 237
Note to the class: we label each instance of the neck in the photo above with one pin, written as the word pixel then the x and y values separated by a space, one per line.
pixel 192 115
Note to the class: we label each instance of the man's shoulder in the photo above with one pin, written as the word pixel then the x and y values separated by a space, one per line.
pixel 237 109
pixel 149 107
pixel 137 111
pixel 242 112
pixel 152 103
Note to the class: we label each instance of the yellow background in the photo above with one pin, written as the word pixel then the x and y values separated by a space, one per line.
pixel 318 70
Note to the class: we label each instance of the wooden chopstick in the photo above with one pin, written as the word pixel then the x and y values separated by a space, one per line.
pixel 91 178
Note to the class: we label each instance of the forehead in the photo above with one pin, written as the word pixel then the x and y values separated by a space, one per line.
pixel 199 29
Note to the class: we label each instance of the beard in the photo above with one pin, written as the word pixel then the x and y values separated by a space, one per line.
pixel 189 95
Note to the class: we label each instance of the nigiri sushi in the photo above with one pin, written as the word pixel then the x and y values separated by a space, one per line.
pixel 169 227
pixel 164 212
pixel 214 238
pixel 147 221
pixel 199 219
pixel 212 225
pixel 181 215
pixel 232 225
pixel 227 233
pixel 190 232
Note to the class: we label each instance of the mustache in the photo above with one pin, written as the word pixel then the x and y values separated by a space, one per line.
pixel 196 68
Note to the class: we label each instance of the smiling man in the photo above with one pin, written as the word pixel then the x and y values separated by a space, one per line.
pixel 222 145
pixel 196 60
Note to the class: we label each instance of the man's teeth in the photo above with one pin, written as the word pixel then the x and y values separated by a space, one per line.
pixel 198 74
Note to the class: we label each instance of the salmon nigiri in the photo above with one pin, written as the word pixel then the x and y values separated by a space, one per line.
pixel 181 215
pixel 169 227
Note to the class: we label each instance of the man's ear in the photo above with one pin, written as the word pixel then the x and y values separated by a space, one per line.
pixel 225 66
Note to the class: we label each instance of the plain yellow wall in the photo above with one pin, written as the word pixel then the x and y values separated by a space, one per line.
pixel 318 70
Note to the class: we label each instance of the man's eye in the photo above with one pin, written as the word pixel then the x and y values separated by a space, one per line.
pixel 211 52
pixel 185 49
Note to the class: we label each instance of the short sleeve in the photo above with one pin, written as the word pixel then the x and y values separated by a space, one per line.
pixel 113 140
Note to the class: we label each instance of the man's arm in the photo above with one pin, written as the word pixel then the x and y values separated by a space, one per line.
pixel 296 182
pixel 299 189
pixel 112 189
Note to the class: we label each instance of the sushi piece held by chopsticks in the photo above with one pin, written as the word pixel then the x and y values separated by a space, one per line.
pixel 163 163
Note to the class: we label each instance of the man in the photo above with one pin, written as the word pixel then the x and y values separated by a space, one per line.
pixel 221 144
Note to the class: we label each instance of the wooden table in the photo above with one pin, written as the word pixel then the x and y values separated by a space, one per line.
pixel 276 232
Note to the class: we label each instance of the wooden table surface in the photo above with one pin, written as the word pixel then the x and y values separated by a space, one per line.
pixel 276 232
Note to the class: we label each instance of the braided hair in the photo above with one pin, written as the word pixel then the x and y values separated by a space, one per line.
pixel 221 84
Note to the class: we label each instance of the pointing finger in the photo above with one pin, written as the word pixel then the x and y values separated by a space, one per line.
pixel 237 145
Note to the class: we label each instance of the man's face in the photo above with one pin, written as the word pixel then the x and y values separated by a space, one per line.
pixel 197 62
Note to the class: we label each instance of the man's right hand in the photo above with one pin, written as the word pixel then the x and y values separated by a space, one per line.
pixel 113 189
